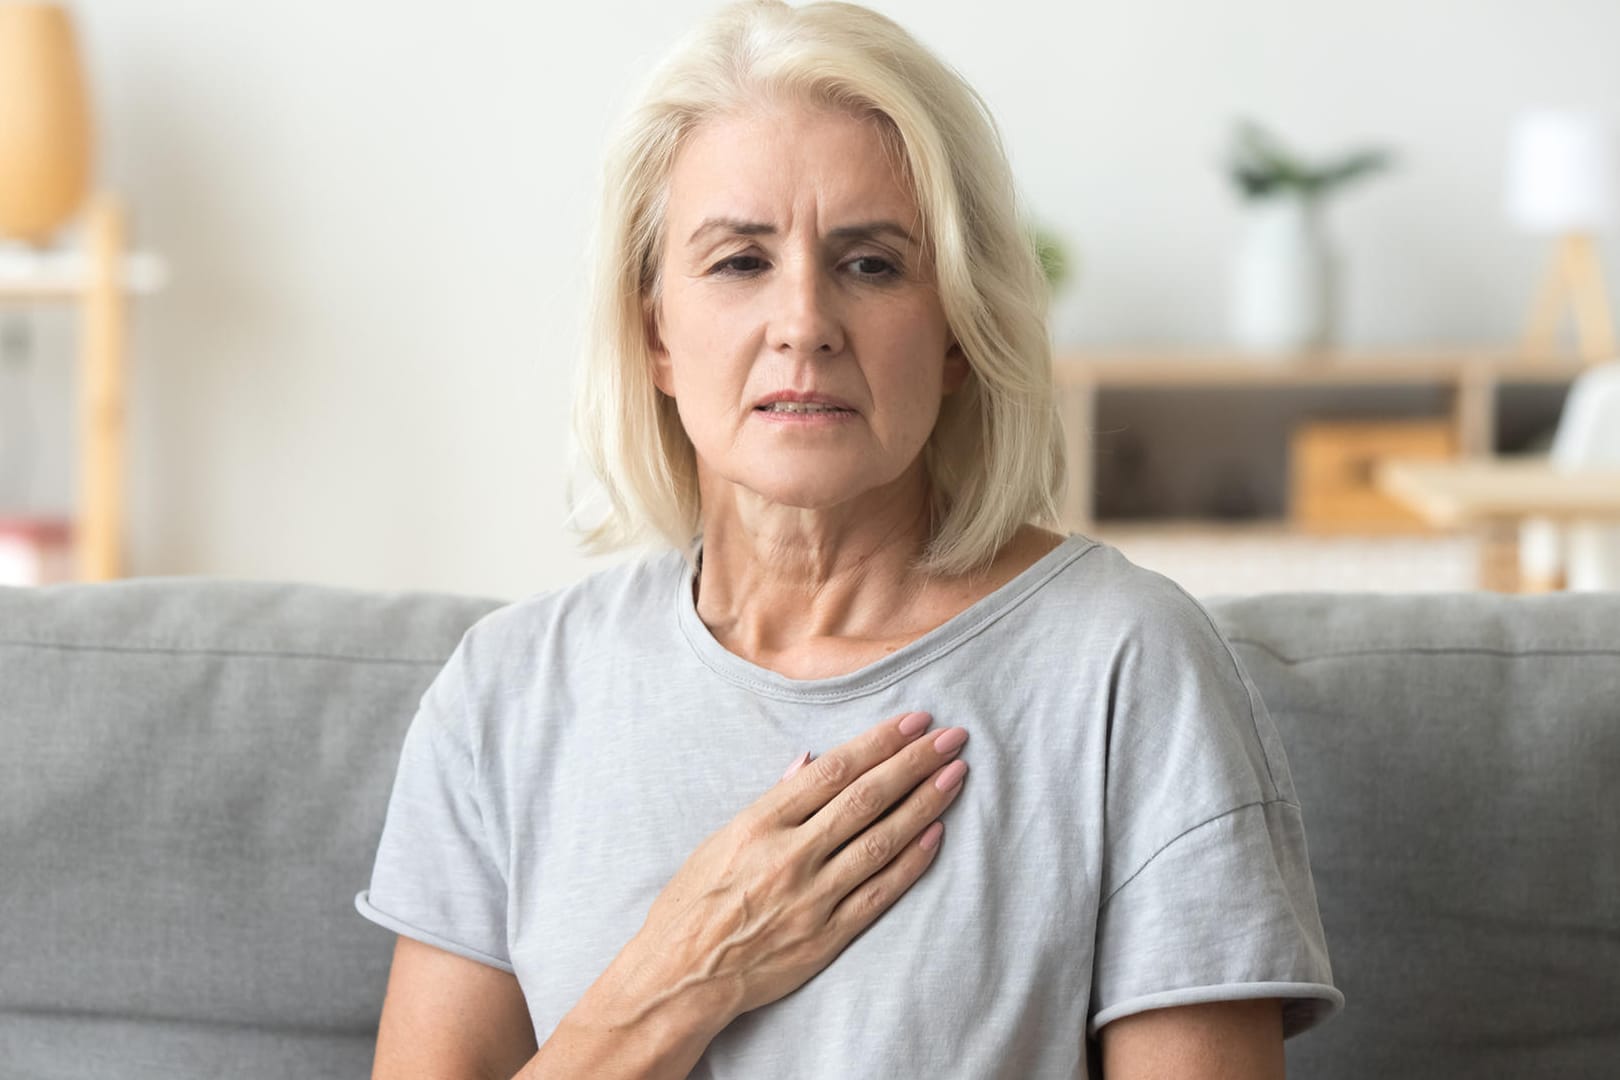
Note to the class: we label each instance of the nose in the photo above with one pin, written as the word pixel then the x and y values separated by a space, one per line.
pixel 804 315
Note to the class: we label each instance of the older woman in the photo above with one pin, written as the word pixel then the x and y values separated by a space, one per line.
pixel 820 379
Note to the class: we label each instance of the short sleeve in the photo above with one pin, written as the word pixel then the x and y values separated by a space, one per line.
pixel 1207 891
pixel 435 878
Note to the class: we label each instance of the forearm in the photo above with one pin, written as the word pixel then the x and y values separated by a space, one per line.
pixel 608 1038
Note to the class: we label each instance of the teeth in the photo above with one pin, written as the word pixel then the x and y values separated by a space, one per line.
pixel 801 407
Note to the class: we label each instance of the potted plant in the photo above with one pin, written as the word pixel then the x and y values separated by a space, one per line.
pixel 1054 257
pixel 1287 276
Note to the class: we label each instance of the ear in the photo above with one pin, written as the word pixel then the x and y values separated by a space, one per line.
pixel 662 375
pixel 957 369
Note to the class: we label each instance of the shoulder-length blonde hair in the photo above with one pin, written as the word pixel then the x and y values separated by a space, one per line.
pixel 995 457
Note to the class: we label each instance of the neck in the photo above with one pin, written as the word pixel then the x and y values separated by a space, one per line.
pixel 774 579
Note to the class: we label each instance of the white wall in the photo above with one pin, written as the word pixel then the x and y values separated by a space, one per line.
pixel 376 212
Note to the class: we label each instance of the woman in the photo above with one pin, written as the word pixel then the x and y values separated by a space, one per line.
pixel 820 377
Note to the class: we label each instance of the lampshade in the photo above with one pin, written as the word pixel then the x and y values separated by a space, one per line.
pixel 1562 171
pixel 44 122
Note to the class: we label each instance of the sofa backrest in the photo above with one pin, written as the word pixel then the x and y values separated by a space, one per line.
pixel 194 775
pixel 192 786
pixel 1458 760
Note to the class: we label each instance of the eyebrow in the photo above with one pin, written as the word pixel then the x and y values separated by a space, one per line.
pixel 858 231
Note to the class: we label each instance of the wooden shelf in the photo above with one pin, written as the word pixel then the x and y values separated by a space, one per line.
pixel 98 275
pixel 1192 367
pixel 28 276
pixel 1469 374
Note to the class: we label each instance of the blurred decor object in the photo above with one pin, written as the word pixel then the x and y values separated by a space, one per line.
pixel 18 435
pixel 1056 264
pixel 1563 181
pixel 1285 292
pixel 46 158
pixel 1332 468
pixel 1580 556
pixel 45 127
pixel 35 551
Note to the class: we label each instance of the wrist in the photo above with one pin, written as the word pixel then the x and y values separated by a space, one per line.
pixel 630 996
pixel 654 1036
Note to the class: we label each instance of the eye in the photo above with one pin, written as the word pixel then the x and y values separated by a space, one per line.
pixel 874 267
pixel 730 267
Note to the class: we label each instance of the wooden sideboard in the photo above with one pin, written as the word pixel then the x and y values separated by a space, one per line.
pixel 1470 377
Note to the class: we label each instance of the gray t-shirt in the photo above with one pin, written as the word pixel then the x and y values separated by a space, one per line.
pixel 1128 838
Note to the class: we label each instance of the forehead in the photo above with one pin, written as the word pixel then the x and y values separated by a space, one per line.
pixel 773 160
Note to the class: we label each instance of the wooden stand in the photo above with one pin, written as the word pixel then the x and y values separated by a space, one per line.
pixel 1575 279
pixel 99 278
pixel 101 402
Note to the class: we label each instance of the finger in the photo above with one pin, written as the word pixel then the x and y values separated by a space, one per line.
pixel 862 907
pixel 886 840
pixel 798 763
pixel 877 793
pixel 835 770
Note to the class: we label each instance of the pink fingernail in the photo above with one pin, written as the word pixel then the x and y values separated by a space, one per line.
pixel 797 765
pixel 914 722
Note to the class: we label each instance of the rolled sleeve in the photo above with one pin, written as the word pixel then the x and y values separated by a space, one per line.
pixel 435 878
pixel 1227 911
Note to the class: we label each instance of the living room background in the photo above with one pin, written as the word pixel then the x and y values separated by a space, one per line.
pixel 375 216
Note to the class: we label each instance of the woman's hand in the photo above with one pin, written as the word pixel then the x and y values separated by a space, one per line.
pixel 771 898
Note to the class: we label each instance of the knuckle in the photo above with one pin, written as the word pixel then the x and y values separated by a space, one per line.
pixel 864 802
pixel 874 849
pixel 874 899
pixel 832 769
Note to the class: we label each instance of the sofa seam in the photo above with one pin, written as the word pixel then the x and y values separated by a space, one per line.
pixel 280 654
pixel 1424 650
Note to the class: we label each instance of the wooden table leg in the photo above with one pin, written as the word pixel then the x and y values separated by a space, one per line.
pixel 1499 556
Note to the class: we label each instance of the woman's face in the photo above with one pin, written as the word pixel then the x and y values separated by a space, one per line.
pixel 794 263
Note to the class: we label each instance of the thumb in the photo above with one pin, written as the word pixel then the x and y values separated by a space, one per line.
pixel 798 764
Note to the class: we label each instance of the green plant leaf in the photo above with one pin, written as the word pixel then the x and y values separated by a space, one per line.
pixel 1260 164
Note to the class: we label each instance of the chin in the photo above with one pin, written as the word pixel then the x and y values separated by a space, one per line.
pixel 818 491
pixel 807 497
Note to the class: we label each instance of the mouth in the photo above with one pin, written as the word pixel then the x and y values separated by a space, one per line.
pixel 801 408
pixel 802 403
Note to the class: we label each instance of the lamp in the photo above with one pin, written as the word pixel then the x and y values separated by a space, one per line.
pixel 1563 181
pixel 45 132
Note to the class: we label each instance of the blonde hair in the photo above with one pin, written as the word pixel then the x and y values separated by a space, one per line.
pixel 995 458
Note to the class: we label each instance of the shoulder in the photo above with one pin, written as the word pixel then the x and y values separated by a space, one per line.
pixel 1180 700
pixel 1103 593
pixel 627 584
pixel 517 658
pixel 508 644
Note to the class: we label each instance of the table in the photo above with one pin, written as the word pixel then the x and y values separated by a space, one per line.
pixel 1499 493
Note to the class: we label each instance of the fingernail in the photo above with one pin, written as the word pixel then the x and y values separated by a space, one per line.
pixel 796 766
pixel 914 723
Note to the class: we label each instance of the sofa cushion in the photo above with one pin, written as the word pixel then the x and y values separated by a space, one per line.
pixel 193 784
pixel 1458 759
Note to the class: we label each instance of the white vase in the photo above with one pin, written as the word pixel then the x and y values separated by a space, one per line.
pixel 1285 278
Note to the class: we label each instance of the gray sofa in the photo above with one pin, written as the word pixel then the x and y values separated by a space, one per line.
pixel 193 775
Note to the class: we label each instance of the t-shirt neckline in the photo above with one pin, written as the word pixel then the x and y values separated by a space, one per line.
pixel 882 672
